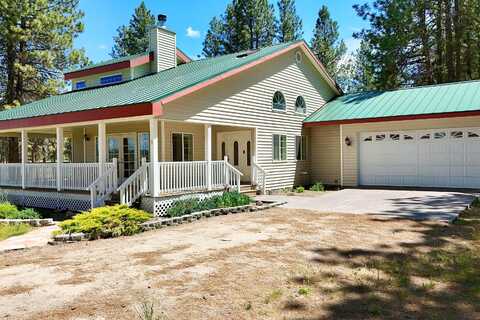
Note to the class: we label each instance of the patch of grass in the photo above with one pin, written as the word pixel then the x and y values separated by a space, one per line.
pixel 11 230
pixel 146 311
pixel 273 296
pixel 304 291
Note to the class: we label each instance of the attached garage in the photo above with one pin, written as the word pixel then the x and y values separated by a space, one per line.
pixel 425 158
pixel 418 137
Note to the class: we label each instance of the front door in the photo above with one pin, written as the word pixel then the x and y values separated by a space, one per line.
pixel 124 148
pixel 237 146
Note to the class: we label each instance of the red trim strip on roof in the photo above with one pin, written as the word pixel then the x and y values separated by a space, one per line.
pixel 396 118
pixel 132 110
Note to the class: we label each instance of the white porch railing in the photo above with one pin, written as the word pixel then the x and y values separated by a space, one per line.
pixel 74 176
pixel 259 177
pixel 11 174
pixel 103 187
pixel 175 177
pixel 135 186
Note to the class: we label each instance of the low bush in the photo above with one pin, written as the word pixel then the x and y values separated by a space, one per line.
pixel 226 200
pixel 10 211
pixel 318 187
pixel 300 189
pixel 106 222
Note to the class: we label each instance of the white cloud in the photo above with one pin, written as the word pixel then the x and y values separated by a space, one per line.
pixel 102 47
pixel 192 33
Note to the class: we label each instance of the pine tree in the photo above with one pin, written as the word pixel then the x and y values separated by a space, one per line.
pixel 245 25
pixel 290 26
pixel 133 39
pixel 36 45
pixel 326 43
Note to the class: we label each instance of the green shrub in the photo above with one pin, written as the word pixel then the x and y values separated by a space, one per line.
pixel 7 210
pixel 10 211
pixel 318 187
pixel 300 189
pixel 226 200
pixel 476 203
pixel 107 222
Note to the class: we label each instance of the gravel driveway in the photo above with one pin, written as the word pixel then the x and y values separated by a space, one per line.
pixel 418 205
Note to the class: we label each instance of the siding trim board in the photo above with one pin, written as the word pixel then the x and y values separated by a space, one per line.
pixel 396 118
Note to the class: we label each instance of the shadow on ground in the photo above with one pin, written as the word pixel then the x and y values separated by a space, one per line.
pixel 437 277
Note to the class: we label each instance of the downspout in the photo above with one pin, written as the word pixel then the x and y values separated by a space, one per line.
pixel 341 156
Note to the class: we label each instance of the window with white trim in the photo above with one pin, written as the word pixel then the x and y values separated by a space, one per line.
pixel 300 105
pixel 279 147
pixel 278 102
pixel 182 146
pixel 301 147
pixel 144 146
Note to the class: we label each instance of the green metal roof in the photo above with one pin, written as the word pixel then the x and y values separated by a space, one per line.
pixel 444 98
pixel 150 88
pixel 107 62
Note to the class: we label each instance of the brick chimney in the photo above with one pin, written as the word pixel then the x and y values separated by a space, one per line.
pixel 163 44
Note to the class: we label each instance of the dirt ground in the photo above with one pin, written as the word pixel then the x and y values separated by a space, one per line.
pixel 279 264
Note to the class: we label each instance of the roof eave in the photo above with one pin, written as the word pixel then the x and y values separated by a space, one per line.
pixel 443 115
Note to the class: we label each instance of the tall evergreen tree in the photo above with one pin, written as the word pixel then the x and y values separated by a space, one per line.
pixel 290 25
pixel 36 45
pixel 245 25
pixel 416 42
pixel 326 43
pixel 133 38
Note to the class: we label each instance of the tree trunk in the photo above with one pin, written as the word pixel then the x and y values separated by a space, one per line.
pixel 440 43
pixel 11 56
pixel 449 42
pixel 457 22
pixel 427 77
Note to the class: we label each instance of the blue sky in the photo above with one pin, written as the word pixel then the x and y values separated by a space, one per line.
pixel 189 19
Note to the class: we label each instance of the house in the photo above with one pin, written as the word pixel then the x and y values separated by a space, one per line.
pixel 200 127
pixel 157 127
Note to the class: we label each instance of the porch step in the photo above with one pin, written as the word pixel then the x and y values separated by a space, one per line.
pixel 249 190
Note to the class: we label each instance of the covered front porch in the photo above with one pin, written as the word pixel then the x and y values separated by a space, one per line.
pixel 131 157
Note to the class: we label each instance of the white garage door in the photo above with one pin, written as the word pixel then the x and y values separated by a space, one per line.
pixel 427 158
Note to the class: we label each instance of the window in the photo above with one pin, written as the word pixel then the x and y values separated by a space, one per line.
pixel 379 137
pixel 301 147
pixel 407 137
pixel 425 136
pixel 111 79
pixel 456 134
pixel 472 134
pixel 235 153
pixel 440 135
pixel 144 146
pixel 80 85
pixel 249 154
pixel 300 105
pixel 224 151
pixel 182 146
pixel 394 137
pixel 369 138
pixel 279 147
pixel 278 102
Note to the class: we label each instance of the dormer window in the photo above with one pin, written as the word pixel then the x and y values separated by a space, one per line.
pixel 80 85
pixel 111 79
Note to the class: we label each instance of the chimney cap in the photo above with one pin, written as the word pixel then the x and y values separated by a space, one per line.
pixel 162 19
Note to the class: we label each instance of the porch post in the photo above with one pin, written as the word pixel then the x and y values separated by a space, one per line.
pixel 24 150
pixel 208 154
pixel 102 157
pixel 60 147
pixel 155 166
pixel 162 137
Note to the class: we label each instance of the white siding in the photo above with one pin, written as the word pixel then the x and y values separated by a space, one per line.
pixel 246 100
pixel 163 44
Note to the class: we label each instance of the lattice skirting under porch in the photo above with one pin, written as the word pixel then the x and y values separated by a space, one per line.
pixel 159 206
pixel 48 200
